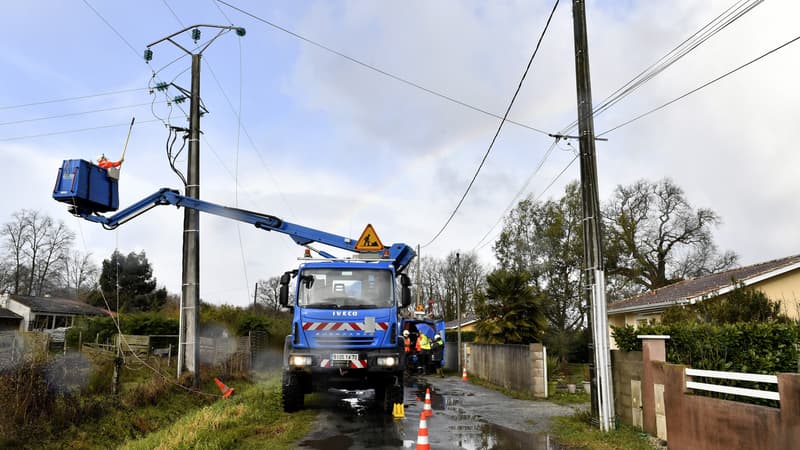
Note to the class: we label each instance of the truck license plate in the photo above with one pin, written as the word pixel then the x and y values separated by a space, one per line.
pixel 344 356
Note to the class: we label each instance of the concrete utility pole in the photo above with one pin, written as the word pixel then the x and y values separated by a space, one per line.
pixel 594 276
pixel 419 277
pixel 458 306
pixel 188 339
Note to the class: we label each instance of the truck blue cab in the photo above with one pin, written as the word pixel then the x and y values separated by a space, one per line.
pixel 345 330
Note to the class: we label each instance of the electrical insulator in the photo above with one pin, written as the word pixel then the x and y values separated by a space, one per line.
pixel 148 55
pixel 196 35
pixel 179 99
pixel 161 86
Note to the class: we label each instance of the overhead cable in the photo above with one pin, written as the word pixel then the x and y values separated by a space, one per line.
pixel 500 126
pixel 75 130
pixel 79 113
pixel 119 35
pixel 519 192
pixel 710 29
pixel 68 99
pixel 700 87
pixel 379 70
pixel 538 197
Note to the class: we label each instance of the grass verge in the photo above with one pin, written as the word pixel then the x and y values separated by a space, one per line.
pixel 251 419
pixel 575 432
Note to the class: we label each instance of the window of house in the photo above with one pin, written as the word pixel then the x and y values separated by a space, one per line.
pixel 39 322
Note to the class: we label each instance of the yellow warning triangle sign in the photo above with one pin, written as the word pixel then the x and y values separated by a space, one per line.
pixel 369 240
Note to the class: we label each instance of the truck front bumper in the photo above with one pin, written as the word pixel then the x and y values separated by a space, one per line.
pixel 337 360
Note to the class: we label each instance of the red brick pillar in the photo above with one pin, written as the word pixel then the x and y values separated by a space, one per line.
pixel 653 350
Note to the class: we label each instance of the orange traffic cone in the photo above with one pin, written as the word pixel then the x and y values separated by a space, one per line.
pixel 422 435
pixel 427 410
pixel 464 374
pixel 226 391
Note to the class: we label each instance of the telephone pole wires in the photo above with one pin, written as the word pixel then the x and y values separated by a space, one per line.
pixel 188 339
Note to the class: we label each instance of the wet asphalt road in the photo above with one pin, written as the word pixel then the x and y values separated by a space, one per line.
pixel 466 416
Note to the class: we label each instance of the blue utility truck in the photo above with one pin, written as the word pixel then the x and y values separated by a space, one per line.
pixel 345 326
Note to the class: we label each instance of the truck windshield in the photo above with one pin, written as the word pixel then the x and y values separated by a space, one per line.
pixel 346 288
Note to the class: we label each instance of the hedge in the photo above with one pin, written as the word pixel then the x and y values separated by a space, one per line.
pixel 753 347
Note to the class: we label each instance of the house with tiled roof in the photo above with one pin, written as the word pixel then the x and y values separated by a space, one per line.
pixel 467 324
pixel 46 313
pixel 778 279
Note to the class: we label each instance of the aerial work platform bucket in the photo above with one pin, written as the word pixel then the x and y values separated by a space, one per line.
pixel 86 186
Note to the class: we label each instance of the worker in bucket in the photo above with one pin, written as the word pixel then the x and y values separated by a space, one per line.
pixel 103 162
pixel 437 354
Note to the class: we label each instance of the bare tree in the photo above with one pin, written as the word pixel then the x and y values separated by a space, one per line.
pixel 80 273
pixel 654 237
pixel 463 276
pixel 440 281
pixel 53 255
pixel 14 238
pixel 267 293
pixel 35 248
pixel 431 289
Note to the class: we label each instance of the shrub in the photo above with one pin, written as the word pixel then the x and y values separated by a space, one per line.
pixel 755 347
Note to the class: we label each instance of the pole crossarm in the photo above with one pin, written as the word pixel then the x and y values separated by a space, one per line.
pixel 222 29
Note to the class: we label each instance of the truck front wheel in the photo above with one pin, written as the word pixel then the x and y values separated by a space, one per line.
pixel 292 393
pixel 388 395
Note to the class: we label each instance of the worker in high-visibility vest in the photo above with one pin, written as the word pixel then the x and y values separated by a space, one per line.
pixel 103 162
pixel 407 346
pixel 437 354
pixel 407 341
pixel 424 344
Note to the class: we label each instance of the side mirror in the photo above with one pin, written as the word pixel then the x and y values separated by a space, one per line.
pixel 405 290
pixel 308 281
pixel 283 293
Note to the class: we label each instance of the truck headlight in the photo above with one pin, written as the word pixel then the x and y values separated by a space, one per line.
pixel 387 361
pixel 300 360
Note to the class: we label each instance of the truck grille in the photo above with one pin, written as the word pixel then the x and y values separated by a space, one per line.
pixel 344 341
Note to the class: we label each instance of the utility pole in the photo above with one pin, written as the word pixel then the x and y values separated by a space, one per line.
pixel 255 297
pixel 458 307
pixel 419 275
pixel 594 276
pixel 188 339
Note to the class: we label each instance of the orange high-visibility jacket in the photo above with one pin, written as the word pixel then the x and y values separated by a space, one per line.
pixel 106 164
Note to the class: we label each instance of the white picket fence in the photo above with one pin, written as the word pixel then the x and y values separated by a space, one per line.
pixel 736 376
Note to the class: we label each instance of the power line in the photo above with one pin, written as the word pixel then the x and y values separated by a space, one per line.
pixel 75 130
pixel 133 49
pixel 67 99
pixel 700 87
pixel 707 31
pixel 500 127
pixel 79 113
pixel 520 191
pixel 541 194
pixel 172 11
pixel 250 140
pixel 379 70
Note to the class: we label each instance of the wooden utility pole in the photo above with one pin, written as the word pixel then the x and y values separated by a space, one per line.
pixel 594 275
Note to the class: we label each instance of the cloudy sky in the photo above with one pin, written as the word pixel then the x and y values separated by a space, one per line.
pixel 296 131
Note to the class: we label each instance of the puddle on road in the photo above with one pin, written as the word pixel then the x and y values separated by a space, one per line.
pixel 489 436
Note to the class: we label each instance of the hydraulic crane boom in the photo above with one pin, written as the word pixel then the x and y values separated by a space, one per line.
pixel 85 204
